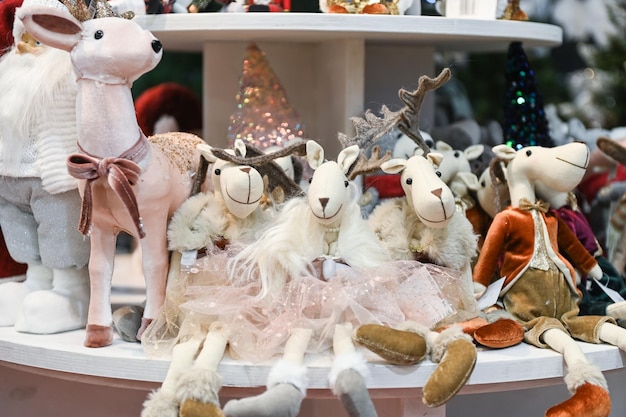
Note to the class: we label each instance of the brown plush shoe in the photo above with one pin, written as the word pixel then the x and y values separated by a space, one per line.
pixel 195 408
pixel 400 347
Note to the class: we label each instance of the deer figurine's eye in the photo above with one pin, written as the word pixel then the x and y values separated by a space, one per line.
pixel 483 184
pixel 346 183
pixel 99 34
pixel 310 180
pixel 438 173
pixel 457 154
pixel 409 181
pixel 529 152
pixel 217 171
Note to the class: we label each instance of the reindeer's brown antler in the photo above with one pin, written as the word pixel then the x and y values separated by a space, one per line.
pixel 612 149
pixel 266 166
pixel 370 128
pixel 367 166
pixel 408 122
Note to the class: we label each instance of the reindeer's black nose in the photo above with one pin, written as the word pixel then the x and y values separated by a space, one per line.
pixel 156 46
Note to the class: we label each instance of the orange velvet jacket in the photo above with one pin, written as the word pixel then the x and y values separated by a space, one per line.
pixel 511 237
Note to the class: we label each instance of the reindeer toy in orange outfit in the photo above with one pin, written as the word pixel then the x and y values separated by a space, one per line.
pixel 129 183
pixel 529 243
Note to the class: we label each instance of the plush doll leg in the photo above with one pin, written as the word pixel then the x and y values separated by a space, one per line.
pixel 127 321
pixel 617 310
pixel 613 334
pixel 455 354
pixel 12 294
pixel 347 376
pixel 590 393
pixel 60 309
pixel 163 402
pixel 286 384
pixel 198 387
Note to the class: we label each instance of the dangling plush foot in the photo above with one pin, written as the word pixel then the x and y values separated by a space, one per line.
pixel 160 404
pixel 400 347
pixel 353 393
pixel 455 354
pixel 198 390
pixel 590 394
pixel 61 309
pixel 617 310
pixel 286 388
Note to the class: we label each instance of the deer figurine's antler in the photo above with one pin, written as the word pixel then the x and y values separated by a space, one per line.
pixel 370 128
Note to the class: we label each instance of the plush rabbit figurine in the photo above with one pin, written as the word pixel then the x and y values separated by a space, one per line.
pixel 528 244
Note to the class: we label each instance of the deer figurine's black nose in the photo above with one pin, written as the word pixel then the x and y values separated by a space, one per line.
pixel 156 46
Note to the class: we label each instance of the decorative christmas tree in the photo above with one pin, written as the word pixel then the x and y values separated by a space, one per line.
pixel 263 116
pixel 525 122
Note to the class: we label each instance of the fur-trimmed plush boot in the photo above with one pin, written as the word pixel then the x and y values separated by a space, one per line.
pixel 286 384
pixel 198 387
pixel 404 346
pixel 60 309
pixel 163 402
pixel 455 354
pixel 348 374
pixel 590 394
pixel 585 381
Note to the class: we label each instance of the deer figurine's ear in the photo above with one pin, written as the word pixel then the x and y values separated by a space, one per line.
pixel 240 148
pixel 346 157
pixel 504 152
pixel 443 146
pixel 206 151
pixel 51 26
pixel 314 154
pixel 393 166
pixel 474 152
pixel 435 158
pixel 469 179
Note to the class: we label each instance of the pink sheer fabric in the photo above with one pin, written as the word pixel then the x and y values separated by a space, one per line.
pixel 390 294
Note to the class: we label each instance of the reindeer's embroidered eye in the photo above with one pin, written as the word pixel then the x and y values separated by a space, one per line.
pixel 529 152
pixel 483 184
pixel 310 180
pixel 217 171
pixel 99 34
pixel 346 183
pixel 409 181
pixel 438 173
pixel 457 154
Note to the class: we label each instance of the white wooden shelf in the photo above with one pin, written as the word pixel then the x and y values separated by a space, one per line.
pixel 396 390
pixel 189 32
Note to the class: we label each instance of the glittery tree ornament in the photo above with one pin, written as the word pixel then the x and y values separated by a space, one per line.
pixel 525 122
pixel 263 116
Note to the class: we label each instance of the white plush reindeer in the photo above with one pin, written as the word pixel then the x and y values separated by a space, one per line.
pixel 129 183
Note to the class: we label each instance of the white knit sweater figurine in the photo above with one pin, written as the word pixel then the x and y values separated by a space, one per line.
pixel 39 201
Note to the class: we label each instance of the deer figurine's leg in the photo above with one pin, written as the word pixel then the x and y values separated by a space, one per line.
pixel 163 402
pixel 348 373
pixel 155 262
pixel 12 294
pixel 198 387
pixel 286 384
pixel 590 393
pixel 60 309
pixel 99 319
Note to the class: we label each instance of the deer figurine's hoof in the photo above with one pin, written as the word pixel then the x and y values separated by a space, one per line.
pixel 589 400
pixel 98 336
pixel 196 408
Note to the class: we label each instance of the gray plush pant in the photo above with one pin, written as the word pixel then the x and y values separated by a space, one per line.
pixel 42 227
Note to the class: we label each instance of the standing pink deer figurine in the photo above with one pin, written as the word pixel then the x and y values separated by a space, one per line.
pixel 128 182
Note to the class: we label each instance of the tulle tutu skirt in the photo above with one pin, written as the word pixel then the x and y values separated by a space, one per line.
pixel 258 328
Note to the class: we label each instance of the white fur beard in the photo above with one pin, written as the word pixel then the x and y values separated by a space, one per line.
pixel 28 83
